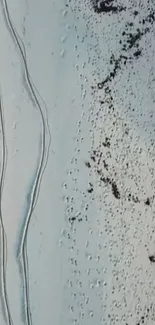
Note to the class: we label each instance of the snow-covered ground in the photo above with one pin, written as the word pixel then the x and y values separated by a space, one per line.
pixel 87 256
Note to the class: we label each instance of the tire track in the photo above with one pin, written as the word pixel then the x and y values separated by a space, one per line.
pixel 3 238
pixel 22 250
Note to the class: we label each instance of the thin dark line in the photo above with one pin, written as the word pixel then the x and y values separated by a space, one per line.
pixel 3 235
pixel 40 170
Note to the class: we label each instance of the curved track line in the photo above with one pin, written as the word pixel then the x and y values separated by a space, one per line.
pixel 42 164
pixel 2 230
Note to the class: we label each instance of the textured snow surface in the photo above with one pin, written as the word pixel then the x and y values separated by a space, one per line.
pixel 77 162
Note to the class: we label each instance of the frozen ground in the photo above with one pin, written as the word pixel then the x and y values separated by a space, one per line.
pixel 90 242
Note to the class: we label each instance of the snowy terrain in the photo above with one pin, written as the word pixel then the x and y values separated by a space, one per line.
pixel 77 212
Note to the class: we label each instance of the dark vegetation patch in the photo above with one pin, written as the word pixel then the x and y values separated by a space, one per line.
pixel 152 258
pixel 147 202
pixel 101 166
pixel 114 187
pixel 106 143
pixel 107 6
pixel 117 66
pixel 90 189
pixel 87 163
pixel 115 190
pixel 130 42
